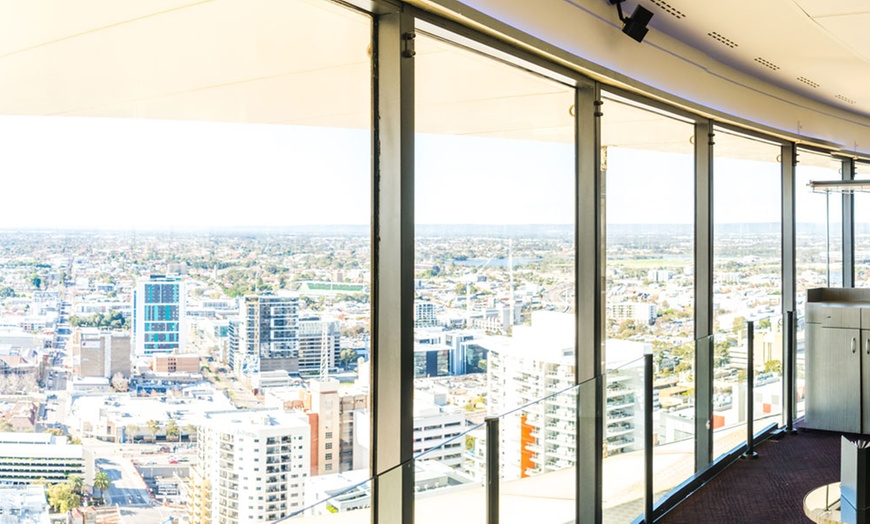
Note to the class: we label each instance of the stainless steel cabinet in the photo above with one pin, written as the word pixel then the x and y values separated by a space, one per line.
pixel 838 367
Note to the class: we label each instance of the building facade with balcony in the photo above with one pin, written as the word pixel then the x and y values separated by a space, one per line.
pixel 251 467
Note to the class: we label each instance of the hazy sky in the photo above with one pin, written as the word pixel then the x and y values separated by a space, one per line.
pixel 89 172
pixel 115 173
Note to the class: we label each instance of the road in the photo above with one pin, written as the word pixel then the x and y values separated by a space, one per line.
pixel 560 296
pixel 128 488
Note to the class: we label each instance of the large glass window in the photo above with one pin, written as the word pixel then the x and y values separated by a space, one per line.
pixel 494 211
pixel 194 145
pixel 862 229
pixel 648 171
pixel 747 283
pixel 818 247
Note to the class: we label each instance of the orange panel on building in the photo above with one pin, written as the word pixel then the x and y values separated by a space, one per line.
pixel 526 440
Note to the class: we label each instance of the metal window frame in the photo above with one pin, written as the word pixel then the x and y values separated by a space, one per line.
pixel 393 258
pixel 704 143
pixel 392 357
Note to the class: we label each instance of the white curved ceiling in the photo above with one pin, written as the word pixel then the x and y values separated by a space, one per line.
pixel 819 48
pixel 798 67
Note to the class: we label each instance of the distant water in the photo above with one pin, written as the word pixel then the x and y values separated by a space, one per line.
pixel 495 262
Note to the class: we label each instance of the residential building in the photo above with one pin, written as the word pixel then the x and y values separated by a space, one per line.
pixel 437 425
pixel 22 417
pixel 159 323
pixel 334 407
pixel 541 437
pixel 424 314
pixel 319 344
pixel 638 311
pixel 266 336
pixel 184 363
pixel 97 353
pixel 252 466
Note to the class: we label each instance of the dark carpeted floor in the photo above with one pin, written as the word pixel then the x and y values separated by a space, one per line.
pixel 769 489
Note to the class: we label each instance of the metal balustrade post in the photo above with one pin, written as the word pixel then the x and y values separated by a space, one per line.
pixel 750 390
pixel 789 371
pixel 492 470
pixel 648 437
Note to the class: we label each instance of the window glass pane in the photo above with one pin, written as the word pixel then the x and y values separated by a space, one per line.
pixel 494 211
pixel 862 229
pixel 819 245
pixel 187 222
pixel 648 168
pixel 747 283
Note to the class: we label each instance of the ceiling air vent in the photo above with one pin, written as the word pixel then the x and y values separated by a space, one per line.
pixel 808 82
pixel 767 63
pixel 722 40
pixel 669 9
pixel 845 99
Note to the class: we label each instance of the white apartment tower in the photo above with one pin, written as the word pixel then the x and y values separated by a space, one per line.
pixel 528 369
pixel 159 316
pixel 252 466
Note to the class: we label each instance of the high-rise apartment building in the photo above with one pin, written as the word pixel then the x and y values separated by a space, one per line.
pixel 437 425
pixel 251 466
pixel 533 365
pixel 158 316
pixel 424 314
pixel 265 336
pixel 639 311
pixel 97 353
pixel 333 408
pixel 319 344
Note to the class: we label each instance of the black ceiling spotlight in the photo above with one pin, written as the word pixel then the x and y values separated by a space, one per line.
pixel 634 25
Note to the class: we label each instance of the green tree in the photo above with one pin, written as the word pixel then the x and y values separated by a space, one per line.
pixel 62 498
pixel 7 292
pixel 190 431
pixel 347 356
pixel 36 281
pixel 153 427
pixel 76 483
pixel 119 383
pixel 102 482
pixel 773 366
pixel 172 431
